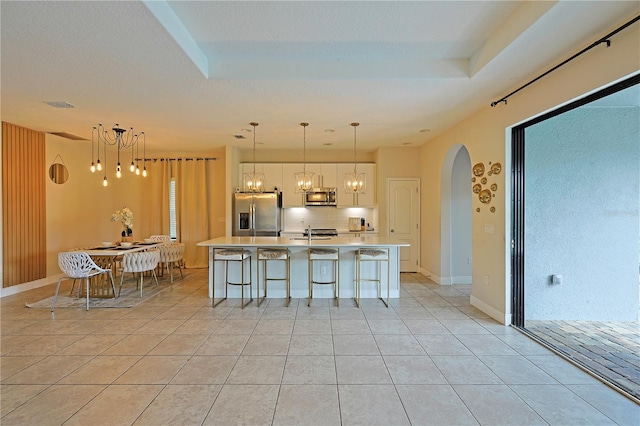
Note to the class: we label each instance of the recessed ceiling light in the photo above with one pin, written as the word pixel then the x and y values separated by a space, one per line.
pixel 59 104
pixel 329 130
pixel 406 143
pixel 239 136
pixel 424 130
pixel 246 130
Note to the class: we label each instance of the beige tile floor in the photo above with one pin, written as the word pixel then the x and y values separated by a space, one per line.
pixel 429 359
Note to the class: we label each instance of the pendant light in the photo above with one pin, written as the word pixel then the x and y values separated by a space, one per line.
pixel 254 182
pixel 355 183
pixel 304 179
pixel 121 139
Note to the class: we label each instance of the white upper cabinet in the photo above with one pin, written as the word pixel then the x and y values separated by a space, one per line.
pixel 272 174
pixel 368 199
pixel 325 174
pixel 290 198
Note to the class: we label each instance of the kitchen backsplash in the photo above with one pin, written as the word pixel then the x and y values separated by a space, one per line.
pixel 297 219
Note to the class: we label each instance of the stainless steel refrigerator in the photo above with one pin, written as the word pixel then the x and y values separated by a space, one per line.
pixel 257 214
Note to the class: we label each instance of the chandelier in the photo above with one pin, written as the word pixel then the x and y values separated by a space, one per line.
pixel 355 183
pixel 304 179
pixel 254 182
pixel 102 138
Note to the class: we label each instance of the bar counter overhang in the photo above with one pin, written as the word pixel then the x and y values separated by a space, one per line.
pixel 348 246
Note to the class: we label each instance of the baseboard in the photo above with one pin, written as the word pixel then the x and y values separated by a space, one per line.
pixel 19 288
pixel 501 317
pixel 463 279
pixel 433 277
pixel 446 280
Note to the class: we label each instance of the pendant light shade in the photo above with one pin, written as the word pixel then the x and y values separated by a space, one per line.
pixel 355 183
pixel 304 179
pixel 253 182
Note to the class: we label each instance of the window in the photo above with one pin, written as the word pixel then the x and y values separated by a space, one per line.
pixel 172 210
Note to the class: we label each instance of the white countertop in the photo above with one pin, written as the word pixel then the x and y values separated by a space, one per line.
pixel 288 242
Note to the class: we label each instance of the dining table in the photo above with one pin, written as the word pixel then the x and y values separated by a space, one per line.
pixel 107 257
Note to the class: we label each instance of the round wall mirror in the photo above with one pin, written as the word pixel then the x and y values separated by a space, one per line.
pixel 58 173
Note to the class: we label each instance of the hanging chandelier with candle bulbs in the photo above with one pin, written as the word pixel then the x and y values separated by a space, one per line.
pixel 123 140
pixel 304 179
pixel 355 183
pixel 253 182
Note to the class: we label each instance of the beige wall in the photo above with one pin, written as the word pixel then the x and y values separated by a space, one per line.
pixel 79 211
pixel 393 163
pixel 484 135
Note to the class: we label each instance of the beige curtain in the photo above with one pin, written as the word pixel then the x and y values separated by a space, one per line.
pixel 199 198
pixel 192 209
pixel 157 198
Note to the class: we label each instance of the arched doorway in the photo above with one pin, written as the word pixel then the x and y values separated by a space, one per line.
pixel 455 217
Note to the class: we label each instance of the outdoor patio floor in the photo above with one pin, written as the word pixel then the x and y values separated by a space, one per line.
pixel 609 349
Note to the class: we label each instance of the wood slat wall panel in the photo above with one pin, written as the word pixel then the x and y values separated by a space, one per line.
pixel 24 205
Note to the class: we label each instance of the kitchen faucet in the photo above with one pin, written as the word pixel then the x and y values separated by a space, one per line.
pixel 309 233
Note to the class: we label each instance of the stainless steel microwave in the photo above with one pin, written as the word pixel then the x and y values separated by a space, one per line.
pixel 321 197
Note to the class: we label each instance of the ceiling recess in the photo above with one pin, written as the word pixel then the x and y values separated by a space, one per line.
pixel 68 136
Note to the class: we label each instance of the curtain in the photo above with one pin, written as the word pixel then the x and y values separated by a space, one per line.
pixel 199 202
pixel 160 174
pixel 193 210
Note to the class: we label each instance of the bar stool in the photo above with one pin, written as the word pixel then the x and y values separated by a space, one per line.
pixel 325 254
pixel 266 255
pixel 379 256
pixel 232 255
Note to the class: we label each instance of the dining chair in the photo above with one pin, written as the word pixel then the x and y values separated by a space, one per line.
pixel 171 255
pixel 79 265
pixel 140 262
pixel 160 238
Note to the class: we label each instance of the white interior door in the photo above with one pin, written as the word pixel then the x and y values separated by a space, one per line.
pixel 404 219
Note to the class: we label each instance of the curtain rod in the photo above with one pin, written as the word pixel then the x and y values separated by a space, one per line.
pixel 604 39
pixel 176 159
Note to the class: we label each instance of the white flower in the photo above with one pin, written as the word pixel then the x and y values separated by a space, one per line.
pixel 125 216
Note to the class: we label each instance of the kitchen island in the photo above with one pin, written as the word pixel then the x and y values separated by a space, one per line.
pixel 348 246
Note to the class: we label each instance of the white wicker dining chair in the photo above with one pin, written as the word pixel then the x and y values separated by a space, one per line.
pixel 171 255
pixel 140 262
pixel 79 265
pixel 160 238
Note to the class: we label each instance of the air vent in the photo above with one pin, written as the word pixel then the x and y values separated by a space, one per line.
pixel 59 104
pixel 68 136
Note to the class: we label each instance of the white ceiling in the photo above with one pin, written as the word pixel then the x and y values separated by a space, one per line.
pixel 192 74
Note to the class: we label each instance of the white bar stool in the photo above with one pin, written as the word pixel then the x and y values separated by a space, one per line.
pixel 232 255
pixel 266 255
pixel 325 254
pixel 378 255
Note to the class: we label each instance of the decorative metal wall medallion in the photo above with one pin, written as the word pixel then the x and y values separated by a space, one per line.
pixel 478 169
pixel 485 196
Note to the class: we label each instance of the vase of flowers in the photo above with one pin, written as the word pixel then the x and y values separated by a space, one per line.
pixel 124 216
